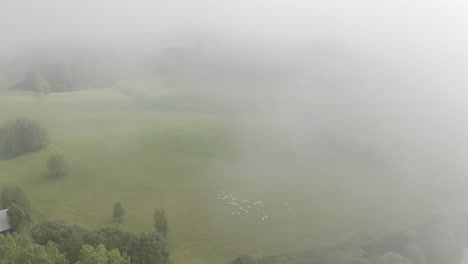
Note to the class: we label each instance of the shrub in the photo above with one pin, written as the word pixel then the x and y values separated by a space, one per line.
pixel 57 164
pixel 22 135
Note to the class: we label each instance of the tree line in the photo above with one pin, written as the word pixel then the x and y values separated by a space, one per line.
pixel 64 76
pixel 23 135
pixel 60 242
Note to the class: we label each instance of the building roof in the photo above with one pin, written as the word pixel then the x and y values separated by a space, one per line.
pixel 4 221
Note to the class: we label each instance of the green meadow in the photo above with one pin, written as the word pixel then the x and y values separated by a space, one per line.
pixel 150 146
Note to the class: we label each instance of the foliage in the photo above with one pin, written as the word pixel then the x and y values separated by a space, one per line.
pixel 118 212
pixel 69 238
pixel 149 248
pixel 20 248
pixel 244 259
pixel 22 135
pixel 18 218
pixel 66 75
pixel 57 163
pixel 141 248
pixel 111 237
pixel 160 222
pixel 100 255
pixel 15 195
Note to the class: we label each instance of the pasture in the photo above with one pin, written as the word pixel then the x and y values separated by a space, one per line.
pixel 150 146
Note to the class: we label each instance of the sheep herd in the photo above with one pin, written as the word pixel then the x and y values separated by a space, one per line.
pixel 244 206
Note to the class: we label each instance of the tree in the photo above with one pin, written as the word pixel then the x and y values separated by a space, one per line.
pixel 15 195
pixel 69 238
pixel 22 135
pixel 57 163
pixel 20 248
pixel 160 222
pixel 149 248
pixel 118 212
pixel 112 237
pixel 100 255
pixel 18 218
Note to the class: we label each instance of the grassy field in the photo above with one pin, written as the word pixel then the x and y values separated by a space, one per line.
pixel 156 148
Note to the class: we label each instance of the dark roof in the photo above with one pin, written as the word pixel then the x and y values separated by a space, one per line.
pixel 4 221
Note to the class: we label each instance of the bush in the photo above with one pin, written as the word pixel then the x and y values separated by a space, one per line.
pixel 57 164
pixel 22 135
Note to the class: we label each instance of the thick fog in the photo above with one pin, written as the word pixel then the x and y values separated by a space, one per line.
pixel 382 83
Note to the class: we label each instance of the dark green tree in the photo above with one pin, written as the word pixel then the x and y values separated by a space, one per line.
pixel 112 237
pixel 100 255
pixel 160 222
pixel 69 238
pixel 118 212
pixel 57 163
pixel 15 195
pixel 20 248
pixel 18 218
pixel 22 135
pixel 149 248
